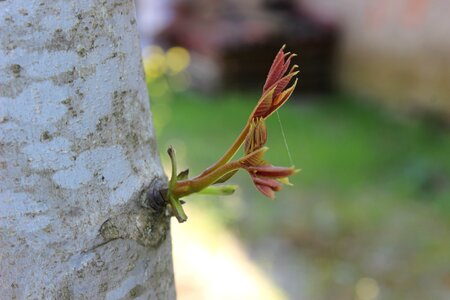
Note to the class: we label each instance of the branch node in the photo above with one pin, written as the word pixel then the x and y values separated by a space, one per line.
pixel 152 196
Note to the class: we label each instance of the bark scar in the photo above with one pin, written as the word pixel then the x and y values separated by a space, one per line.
pixel 147 229
pixel 152 197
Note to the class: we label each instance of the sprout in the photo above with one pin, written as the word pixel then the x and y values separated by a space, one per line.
pixel 267 178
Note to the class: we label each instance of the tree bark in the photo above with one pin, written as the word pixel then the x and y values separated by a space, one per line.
pixel 77 152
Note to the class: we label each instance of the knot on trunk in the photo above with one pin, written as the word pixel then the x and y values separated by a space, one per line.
pixel 147 229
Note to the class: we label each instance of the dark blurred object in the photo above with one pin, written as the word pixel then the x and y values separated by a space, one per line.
pixel 247 66
pixel 243 37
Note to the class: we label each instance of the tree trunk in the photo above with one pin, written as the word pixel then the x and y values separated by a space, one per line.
pixel 77 151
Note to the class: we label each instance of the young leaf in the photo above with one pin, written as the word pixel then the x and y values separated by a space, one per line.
pixel 222 190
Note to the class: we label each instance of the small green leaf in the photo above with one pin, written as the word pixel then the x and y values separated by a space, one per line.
pixel 177 209
pixel 222 190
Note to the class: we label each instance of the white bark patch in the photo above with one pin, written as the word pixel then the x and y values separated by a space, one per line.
pixel 93 90
pixel 29 214
pixel 54 155
pixel 66 8
pixel 108 163
pixel 133 288
pixel 41 64
pixel 124 190
pixel 39 104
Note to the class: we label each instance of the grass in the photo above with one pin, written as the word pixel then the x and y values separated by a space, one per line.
pixel 371 182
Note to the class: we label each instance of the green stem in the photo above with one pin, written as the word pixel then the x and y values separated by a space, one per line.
pixel 173 178
pixel 177 209
pixel 174 201
pixel 187 187
pixel 229 153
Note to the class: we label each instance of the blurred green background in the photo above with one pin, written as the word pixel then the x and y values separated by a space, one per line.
pixel 371 201
pixel 368 217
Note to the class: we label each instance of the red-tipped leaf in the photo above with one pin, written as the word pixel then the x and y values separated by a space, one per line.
pixel 276 70
pixel 272 171
pixel 256 137
pixel 282 98
pixel 266 191
pixel 264 104
pixel 253 159
pixel 272 183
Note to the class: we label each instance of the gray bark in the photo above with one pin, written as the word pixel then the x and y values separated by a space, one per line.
pixel 76 152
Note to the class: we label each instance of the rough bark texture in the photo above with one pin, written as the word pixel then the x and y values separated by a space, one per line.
pixel 76 151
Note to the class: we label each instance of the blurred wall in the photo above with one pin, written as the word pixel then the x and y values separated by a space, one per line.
pixel 394 50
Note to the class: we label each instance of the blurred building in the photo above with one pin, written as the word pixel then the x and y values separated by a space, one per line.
pixel 241 39
pixel 394 50
pixel 153 16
